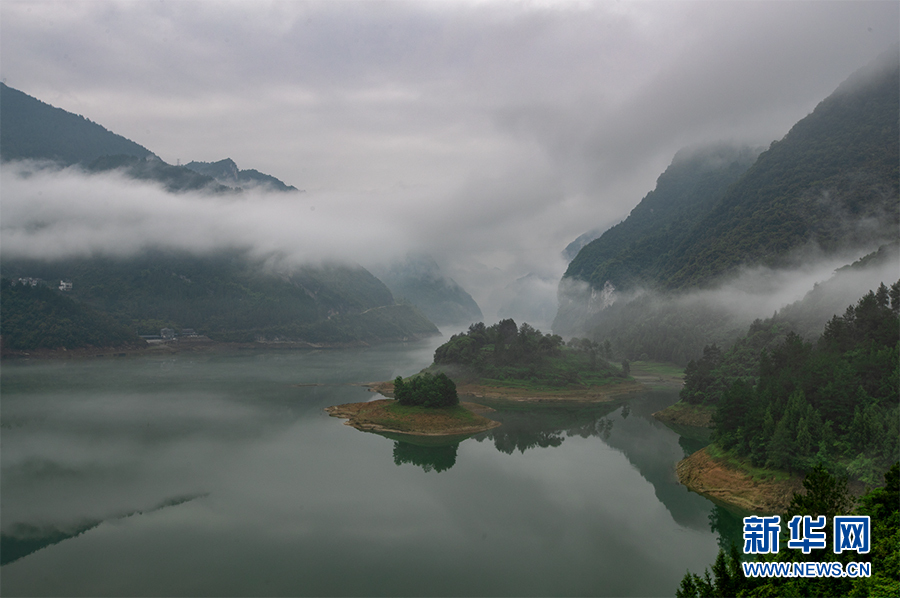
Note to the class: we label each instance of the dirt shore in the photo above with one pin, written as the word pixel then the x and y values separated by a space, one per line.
pixel 181 345
pixel 714 478
pixel 594 394
pixel 373 417
pixel 683 414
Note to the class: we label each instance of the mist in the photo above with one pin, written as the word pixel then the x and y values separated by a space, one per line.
pixel 50 213
pixel 488 135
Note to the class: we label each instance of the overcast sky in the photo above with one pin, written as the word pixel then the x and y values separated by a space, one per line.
pixel 489 133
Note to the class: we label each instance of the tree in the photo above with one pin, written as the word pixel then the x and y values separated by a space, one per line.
pixel 426 390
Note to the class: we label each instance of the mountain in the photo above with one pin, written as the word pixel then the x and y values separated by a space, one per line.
pixel 632 253
pixel 31 129
pixel 36 316
pixel 575 246
pixel 230 296
pixel 175 179
pixel 227 173
pixel 832 183
pixel 418 279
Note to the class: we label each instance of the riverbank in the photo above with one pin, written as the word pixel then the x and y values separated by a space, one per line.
pixel 592 394
pixel 199 344
pixel 657 374
pixel 388 416
pixel 737 484
pixel 685 414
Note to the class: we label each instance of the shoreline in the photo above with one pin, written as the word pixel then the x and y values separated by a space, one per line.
pixel 716 479
pixel 371 417
pixel 593 394
pixel 187 345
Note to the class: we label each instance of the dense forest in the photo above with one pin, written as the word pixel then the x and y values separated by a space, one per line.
pixel 227 173
pixel 631 253
pixel 832 184
pixel 506 353
pixel 426 390
pixel 31 129
pixel 38 317
pixel 232 297
pixel 786 403
pixel 824 495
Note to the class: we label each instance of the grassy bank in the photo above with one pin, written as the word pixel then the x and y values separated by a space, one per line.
pixel 387 415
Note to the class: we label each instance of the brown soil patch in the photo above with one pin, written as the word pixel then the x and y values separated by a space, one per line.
pixel 682 414
pixel 715 479
pixel 593 394
pixel 373 417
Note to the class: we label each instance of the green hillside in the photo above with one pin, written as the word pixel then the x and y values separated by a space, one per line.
pixel 231 297
pixel 31 129
pixel 419 280
pixel 40 317
pixel 832 183
pixel 833 180
pixel 174 179
pixel 633 252
pixel 227 173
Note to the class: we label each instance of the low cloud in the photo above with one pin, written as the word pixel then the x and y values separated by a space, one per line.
pixel 51 213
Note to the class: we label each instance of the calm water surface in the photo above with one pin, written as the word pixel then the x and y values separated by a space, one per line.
pixel 221 475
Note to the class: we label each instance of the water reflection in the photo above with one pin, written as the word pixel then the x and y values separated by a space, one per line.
pixel 22 539
pixel 299 504
pixel 429 458
pixel 545 425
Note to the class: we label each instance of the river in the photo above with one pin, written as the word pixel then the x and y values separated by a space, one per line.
pixel 220 474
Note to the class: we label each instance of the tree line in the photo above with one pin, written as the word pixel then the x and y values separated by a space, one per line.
pixel 504 351
pixel 795 404
pixel 426 390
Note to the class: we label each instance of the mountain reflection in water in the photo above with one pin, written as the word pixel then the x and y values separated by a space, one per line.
pixel 574 499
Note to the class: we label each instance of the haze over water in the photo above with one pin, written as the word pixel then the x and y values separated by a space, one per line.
pixel 220 474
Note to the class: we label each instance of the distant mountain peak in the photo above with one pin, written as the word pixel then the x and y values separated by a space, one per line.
pixel 226 172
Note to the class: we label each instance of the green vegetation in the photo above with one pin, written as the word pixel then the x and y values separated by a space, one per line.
pixel 795 404
pixel 174 178
pixel 31 129
pixel 426 390
pixel 403 412
pixel 229 296
pixel 825 495
pixel 713 212
pixel 831 182
pixel 43 318
pixel 227 173
pixel 419 280
pixel 633 252
pixel 507 355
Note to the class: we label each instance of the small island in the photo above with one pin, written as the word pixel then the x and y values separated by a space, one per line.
pixel 502 362
pixel 426 405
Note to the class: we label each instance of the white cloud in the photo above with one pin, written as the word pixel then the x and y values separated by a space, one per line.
pixel 484 131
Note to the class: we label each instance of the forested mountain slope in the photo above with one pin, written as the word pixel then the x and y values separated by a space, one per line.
pixel 418 280
pixel 226 295
pixel 40 317
pixel 231 297
pixel 226 172
pixel 31 129
pixel 833 181
pixel 830 185
pixel 633 252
